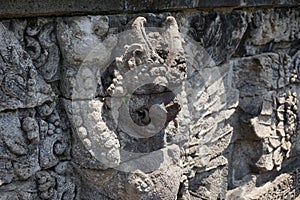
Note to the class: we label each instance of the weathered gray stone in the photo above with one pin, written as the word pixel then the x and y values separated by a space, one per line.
pixel 21 85
pixel 66 7
pixel 192 104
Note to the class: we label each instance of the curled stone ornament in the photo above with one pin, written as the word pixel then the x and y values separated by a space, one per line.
pixel 146 86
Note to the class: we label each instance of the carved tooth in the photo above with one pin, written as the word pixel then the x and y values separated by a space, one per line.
pixel 111 143
pixel 265 162
pixel 278 157
pixel 290 117
pixel 286 145
pixel 104 136
pixel 293 79
pixel 87 142
pixel 119 91
pixel 274 142
pixel 82 132
pixel 281 99
pixel 119 77
pixel 295 108
pixel 281 108
pixel 280 131
pixel 280 115
pixel 92 152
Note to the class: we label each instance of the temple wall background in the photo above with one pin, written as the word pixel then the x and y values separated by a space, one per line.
pixel 78 80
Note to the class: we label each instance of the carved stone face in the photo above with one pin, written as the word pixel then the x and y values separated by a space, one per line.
pixel 124 99
pixel 127 97
pixel 129 106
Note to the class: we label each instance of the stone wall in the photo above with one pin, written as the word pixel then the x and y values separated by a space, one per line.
pixel 149 100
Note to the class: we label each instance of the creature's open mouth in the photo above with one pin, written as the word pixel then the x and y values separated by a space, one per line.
pixel 144 97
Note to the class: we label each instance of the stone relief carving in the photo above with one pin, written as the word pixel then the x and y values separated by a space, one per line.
pixel 202 105
pixel 274 118
pixel 103 105
pixel 32 139
pixel 93 120
pixel 21 85
pixel 40 43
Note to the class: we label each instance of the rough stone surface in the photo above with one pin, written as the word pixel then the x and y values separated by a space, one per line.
pixel 184 105
pixel 25 8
